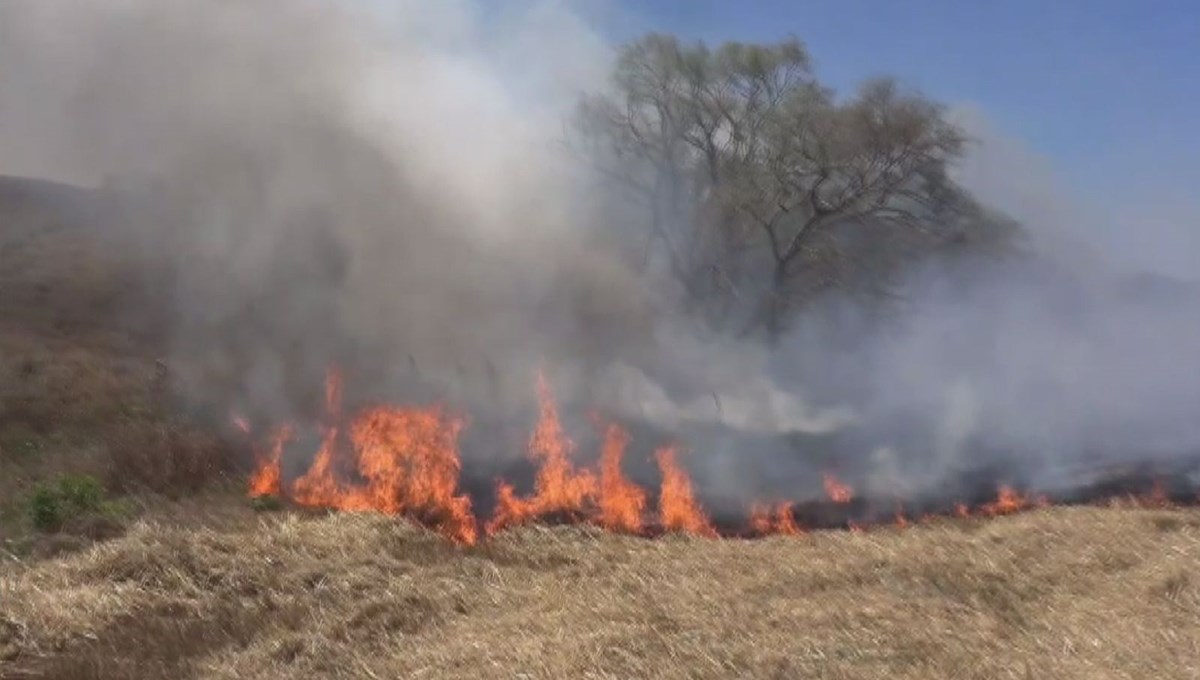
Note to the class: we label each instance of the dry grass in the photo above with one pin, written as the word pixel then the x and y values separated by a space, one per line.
pixel 1062 593
pixel 66 406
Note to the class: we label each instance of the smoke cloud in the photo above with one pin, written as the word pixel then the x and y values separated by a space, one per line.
pixel 384 188
pixel 323 183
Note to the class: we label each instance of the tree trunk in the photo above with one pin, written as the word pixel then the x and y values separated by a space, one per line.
pixel 775 308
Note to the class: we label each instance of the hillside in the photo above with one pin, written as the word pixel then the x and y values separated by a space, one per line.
pixel 169 572
pixel 81 388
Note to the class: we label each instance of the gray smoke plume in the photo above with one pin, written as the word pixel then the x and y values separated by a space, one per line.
pixel 326 190
pixel 381 187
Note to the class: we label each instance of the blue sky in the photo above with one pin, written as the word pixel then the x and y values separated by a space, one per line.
pixel 1107 91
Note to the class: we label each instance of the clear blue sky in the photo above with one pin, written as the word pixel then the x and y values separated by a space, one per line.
pixel 1108 90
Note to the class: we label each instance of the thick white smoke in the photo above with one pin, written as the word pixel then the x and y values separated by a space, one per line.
pixel 327 179
pixel 382 186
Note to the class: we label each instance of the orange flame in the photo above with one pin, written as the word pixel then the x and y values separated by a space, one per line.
pixel 405 461
pixel 837 492
pixel 677 506
pixel 409 458
pixel 319 487
pixel 267 480
pixel 1008 500
pixel 622 503
pixel 779 520
pixel 785 521
pixel 558 487
pixel 760 519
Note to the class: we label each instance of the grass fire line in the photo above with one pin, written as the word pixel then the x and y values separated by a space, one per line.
pixel 404 461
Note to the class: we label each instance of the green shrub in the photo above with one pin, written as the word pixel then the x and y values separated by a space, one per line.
pixel 81 493
pixel 53 504
pixel 45 509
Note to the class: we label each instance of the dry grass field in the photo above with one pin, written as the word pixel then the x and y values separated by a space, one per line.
pixel 1061 593
pixel 163 570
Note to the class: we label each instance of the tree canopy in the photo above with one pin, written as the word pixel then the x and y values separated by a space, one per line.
pixel 759 187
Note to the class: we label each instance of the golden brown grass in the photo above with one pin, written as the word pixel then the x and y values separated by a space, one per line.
pixel 1059 593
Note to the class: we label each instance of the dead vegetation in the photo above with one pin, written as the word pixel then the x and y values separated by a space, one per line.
pixel 67 406
pixel 1060 593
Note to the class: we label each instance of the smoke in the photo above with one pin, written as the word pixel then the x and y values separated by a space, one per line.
pixel 381 186
pixel 331 185
pixel 1033 368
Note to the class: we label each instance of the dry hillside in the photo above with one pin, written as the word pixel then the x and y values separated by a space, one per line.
pixel 155 566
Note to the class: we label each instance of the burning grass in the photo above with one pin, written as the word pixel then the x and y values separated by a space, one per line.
pixel 405 461
pixel 1061 592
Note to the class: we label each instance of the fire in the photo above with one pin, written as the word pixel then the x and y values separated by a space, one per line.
pixel 622 503
pixel 1008 500
pixel 409 458
pixel 267 480
pixel 319 487
pixel 760 519
pixel 609 499
pixel 779 520
pixel 677 506
pixel 558 488
pixel 405 461
pixel 837 492
pixel 785 520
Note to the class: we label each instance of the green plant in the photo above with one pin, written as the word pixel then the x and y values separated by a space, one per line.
pixel 53 504
pixel 44 509
pixel 81 493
